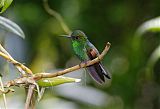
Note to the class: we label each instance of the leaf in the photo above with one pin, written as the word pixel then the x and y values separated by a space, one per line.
pixel 11 26
pixel 47 82
pixel 152 25
pixel 155 56
pixel 4 4
pixel 1 3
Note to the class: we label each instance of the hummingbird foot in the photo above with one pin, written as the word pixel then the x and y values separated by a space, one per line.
pixel 85 62
pixel 98 58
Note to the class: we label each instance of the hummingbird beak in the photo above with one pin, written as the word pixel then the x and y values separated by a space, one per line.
pixel 65 36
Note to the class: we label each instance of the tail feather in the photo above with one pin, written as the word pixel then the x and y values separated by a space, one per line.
pixel 98 73
pixel 93 73
pixel 105 72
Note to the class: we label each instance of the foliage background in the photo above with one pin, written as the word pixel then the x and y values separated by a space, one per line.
pixel 102 21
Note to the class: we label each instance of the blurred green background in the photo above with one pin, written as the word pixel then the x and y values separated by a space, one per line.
pixel 102 21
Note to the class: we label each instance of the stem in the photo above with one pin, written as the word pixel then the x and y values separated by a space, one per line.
pixel 29 101
pixel 57 16
pixel 4 95
pixel 21 68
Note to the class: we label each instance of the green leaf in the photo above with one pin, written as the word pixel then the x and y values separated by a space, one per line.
pixel 152 25
pixel 47 82
pixel 1 3
pixel 155 56
pixel 4 4
pixel 8 25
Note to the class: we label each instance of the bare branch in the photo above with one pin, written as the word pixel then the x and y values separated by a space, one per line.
pixel 6 91
pixel 21 68
pixel 20 82
pixel 29 101
pixel 4 95
pixel 76 67
pixel 5 51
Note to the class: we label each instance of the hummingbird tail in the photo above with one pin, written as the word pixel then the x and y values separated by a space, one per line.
pixel 98 73
pixel 93 73
pixel 105 72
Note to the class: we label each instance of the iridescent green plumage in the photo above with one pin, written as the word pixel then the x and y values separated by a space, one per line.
pixel 86 51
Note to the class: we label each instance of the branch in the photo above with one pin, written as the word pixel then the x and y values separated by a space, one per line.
pixel 6 91
pixel 57 16
pixel 4 51
pixel 3 93
pixel 21 68
pixel 23 81
pixel 39 76
pixel 29 101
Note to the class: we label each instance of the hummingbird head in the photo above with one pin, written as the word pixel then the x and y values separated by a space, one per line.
pixel 78 36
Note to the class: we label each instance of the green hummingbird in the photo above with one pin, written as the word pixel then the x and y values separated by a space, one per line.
pixel 85 51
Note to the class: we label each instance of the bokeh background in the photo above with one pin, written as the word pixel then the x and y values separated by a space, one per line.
pixel 102 21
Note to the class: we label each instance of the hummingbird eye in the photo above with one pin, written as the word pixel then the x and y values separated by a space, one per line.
pixel 76 37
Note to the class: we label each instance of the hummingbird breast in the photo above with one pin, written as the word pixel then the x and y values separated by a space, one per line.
pixel 80 51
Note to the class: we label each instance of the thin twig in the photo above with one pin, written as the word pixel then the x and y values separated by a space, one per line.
pixel 29 104
pixel 21 68
pixel 6 91
pixel 57 16
pixel 76 67
pixel 23 81
pixel 4 95
pixel 41 93
pixel 5 51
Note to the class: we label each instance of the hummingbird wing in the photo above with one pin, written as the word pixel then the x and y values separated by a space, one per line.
pixel 97 70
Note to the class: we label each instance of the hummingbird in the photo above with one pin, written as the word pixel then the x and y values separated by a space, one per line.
pixel 86 51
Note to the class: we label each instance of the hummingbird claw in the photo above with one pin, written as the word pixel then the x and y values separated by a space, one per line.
pixel 85 62
pixel 98 58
